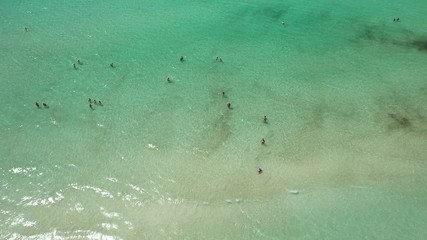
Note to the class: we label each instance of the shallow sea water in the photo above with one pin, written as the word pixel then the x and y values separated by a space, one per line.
pixel 343 86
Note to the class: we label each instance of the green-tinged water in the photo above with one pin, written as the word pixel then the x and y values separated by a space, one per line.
pixel 343 86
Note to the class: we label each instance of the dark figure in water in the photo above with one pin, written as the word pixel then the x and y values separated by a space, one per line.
pixel 94 101
pixel 223 94
pixel 169 79
pixel 264 118
pixel 26 29
pixel 263 141
pixel 260 170
pixel 182 59
pixel 112 65
pixel 229 105
pixel 45 105
pixel 74 66
pixel 38 104
pixel 220 59
pixel 79 62
pixel 91 106
pixel 90 100
pixel 99 103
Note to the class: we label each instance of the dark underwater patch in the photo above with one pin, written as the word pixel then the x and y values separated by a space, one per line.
pixel 399 121
pixel 274 13
pixel 392 36
pixel 420 44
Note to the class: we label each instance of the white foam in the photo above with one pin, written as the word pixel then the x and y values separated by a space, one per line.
pixel 78 208
pixel 153 146
pixel 130 226
pixel 20 220
pixel 102 192
pixel 109 226
pixel 42 201
pixel 58 235
pixel 108 214
pixel 293 191
pixel 19 170
pixel 112 179
pixel 136 188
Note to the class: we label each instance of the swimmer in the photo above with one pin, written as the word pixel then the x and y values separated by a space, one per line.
pixel 90 100
pixel 100 103
pixel 182 58
pixel 94 101
pixel 169 79
pixel 45 105
pixel 74 66
pixel 112 65
pixel 26 29
pixel 263 141
pixel 220 59
pixel 217 58
pixel 398 19
pixel 264 118
pixel 91 106
pixel 283 23
pixel 260 170
pixel 79 62
pixel 223 94
pixel 229 105
pixel 37 104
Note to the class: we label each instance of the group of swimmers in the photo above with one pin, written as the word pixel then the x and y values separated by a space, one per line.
pixel 38 105
pixel 264 119
pixel 81 63
pixel 95 102
pixel 78 62
pixel 91 104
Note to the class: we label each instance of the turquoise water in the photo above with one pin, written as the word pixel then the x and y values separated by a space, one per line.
pixel 343 86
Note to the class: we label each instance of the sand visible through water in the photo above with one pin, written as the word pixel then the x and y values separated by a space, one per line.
pixel 343 86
